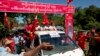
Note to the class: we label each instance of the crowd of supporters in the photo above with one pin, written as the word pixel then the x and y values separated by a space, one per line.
pixel 89 42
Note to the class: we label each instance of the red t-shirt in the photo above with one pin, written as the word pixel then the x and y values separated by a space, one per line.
pixel 12 45
pixel 81 42
pixel 28 27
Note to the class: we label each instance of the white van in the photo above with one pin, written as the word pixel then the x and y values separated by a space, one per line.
pixel 63 45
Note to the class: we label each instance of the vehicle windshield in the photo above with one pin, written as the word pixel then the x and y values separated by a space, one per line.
pixel 62 43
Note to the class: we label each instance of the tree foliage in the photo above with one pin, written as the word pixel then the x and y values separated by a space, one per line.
pixel 85 18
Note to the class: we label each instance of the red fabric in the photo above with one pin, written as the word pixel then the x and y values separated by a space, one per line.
pixel 97 39
pixel 81 42
pixel 35 23
pixel 51 8
pixel 12 45
pixel 6 20
pixel 24 36
pixel 31 28
pixel 45 19
pixel 69 25
pixel 69 1
pixel 28 28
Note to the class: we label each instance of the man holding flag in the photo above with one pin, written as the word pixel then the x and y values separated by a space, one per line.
pixel 30 27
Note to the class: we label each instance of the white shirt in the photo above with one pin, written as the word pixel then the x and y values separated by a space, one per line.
pixel 3 52
pixel 52 28
pixel 16 39
pixel 38 28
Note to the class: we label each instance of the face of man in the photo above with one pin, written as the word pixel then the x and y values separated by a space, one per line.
pixel 28 21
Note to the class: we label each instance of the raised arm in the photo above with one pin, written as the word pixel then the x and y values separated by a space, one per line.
pixel 44 46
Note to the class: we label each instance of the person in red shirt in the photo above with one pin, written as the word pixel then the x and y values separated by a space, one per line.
pixel 12 44
pixel 82 40
pixel 28 28
pixel 97 42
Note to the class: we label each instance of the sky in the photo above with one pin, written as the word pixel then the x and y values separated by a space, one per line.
pixel 76 3
pixel 20 19
pixel 86 3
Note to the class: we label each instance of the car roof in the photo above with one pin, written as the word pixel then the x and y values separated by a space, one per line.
pixel 47 32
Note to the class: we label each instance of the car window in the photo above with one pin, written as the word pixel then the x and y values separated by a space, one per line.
pixel 61 43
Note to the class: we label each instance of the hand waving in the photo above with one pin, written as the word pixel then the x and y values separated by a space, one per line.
pixel 46 46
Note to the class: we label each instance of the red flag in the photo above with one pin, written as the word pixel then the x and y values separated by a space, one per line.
pixel 35 23
pixel 45 20
pixel 69 1
pixel 5 20
pixel 36 20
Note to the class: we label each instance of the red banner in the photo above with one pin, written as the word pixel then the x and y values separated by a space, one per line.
pixel 33 7
pixel 69 25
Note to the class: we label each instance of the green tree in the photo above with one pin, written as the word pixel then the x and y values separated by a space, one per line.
pixel 85 18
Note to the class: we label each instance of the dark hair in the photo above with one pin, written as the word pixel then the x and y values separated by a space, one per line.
pixel 0 38
pixel 97 30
